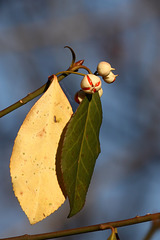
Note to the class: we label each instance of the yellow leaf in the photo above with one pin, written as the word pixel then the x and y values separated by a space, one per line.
pixel 32 164
pixel 114 234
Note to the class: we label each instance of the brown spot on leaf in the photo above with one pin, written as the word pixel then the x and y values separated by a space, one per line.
pixel 41 133
pixel 55 120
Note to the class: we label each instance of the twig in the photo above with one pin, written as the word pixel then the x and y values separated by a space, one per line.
pixel 34 94
pixel 92 228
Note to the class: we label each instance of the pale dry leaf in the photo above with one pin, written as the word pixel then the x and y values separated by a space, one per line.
pixel 32 163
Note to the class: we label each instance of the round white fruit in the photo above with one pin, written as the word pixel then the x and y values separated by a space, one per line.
pixel 91 83
pixel 80 95
pixel 110 78
pixel 104 68
pixel 100 92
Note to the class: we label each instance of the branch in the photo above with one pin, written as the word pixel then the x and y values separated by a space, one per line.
pixel 92 228
pixel 36 93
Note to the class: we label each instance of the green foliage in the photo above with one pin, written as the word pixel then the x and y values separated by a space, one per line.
pixel 80 150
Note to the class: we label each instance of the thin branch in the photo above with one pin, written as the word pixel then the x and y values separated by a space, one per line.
pixel 42 89
pixel 71 72
pixel 92 228
pixel 34 94
pixel 73 55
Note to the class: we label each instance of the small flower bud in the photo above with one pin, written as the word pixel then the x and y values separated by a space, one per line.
pixel 91 83
pixel 79 96
pixel 104 68
pixel 110 78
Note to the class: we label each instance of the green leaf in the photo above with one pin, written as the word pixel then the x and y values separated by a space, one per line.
pixel 80 150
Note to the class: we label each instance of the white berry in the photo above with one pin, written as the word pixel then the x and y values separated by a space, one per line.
pixel 79 96
pixel 100 92
pixel 104 68
pixel 91 83
pixel 110 78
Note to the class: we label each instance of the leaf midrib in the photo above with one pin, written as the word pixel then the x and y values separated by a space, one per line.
pixel 77 179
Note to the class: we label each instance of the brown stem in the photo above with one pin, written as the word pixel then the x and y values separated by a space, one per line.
pixel 34 94
pixel 92 228
pixel 73 55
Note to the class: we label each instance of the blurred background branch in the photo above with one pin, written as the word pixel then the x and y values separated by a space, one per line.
pixel 153 229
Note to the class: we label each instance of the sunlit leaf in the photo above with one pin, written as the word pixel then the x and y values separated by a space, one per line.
pixel 114 235
pixel 32 165
pixel 80 150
